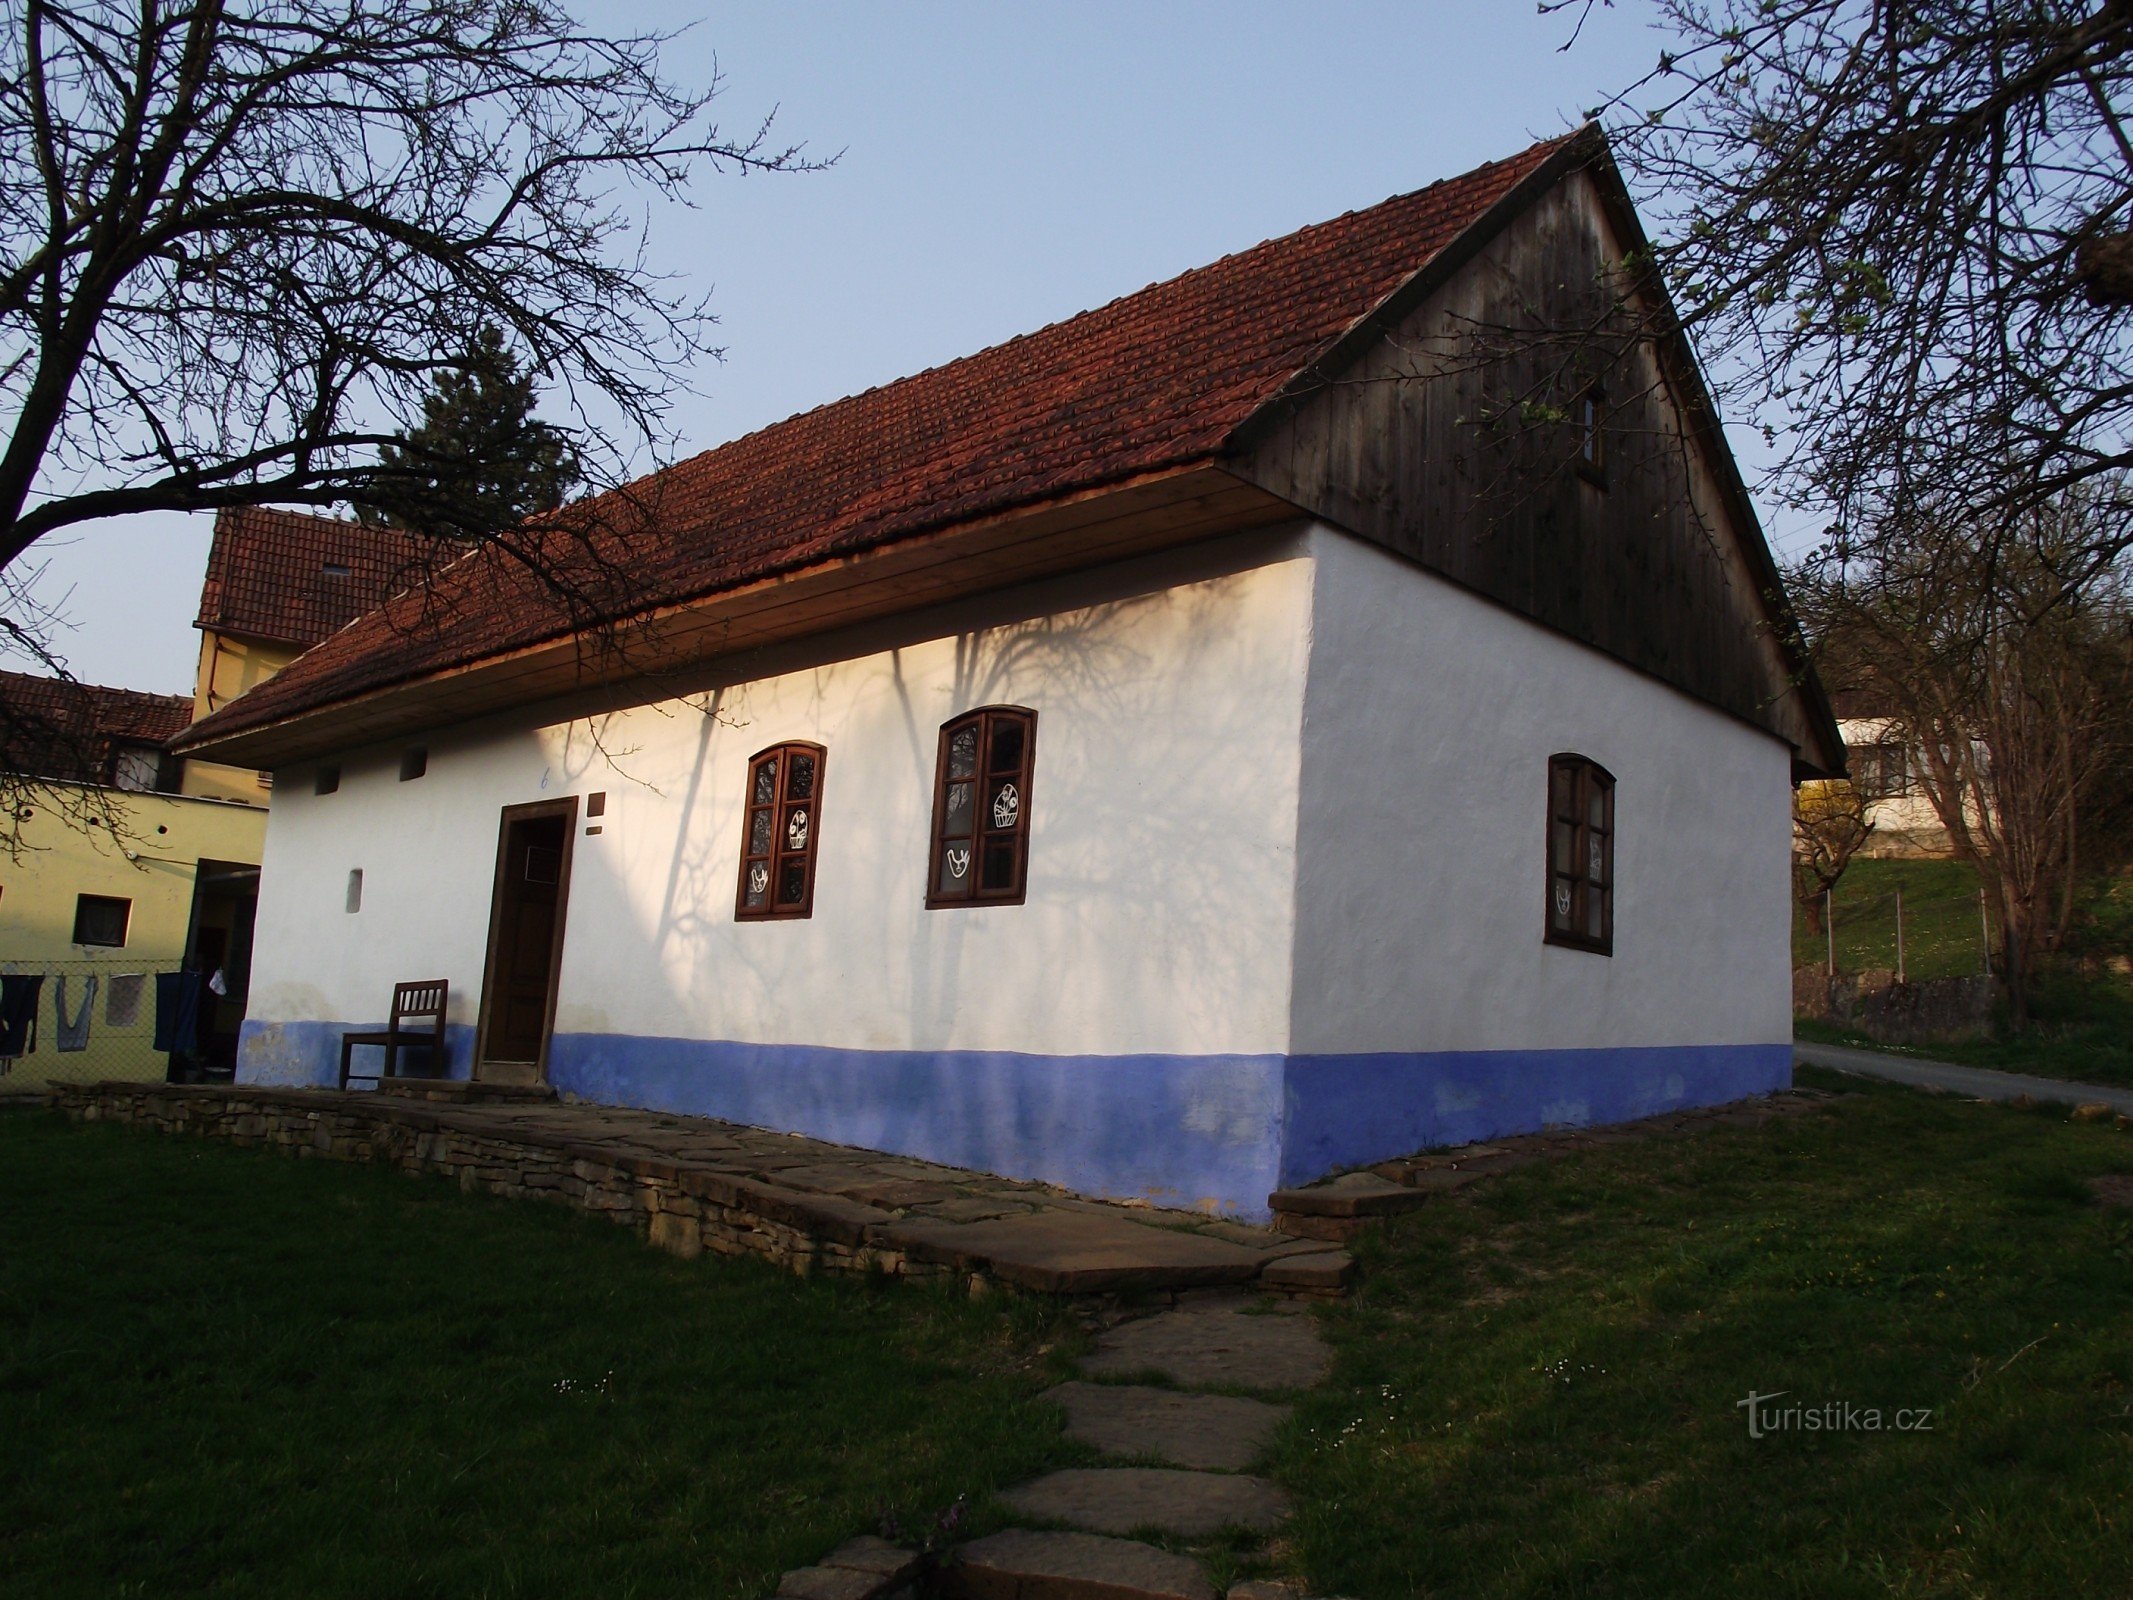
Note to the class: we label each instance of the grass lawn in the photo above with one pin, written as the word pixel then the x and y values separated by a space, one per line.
pixel 1537 1390
pixel 231 1373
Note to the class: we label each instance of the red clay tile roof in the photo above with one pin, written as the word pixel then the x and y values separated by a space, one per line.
pixel 50 728
pixel 295 578
pixel 1157 380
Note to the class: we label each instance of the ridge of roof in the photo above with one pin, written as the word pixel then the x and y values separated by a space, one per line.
pixel 1146 383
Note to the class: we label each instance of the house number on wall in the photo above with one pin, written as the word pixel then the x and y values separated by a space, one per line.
pixel 1005 806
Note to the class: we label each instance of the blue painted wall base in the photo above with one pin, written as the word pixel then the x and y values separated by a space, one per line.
pixel 1215 1132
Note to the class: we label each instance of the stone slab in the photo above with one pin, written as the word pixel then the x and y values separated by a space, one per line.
pixel 1324 1272
pixel 1215 1347
pixel 1355 1194
pixel 1076 1252
pixel 1214 1432
pixel 1023 1565
pixel 830 1583
pixel 867 1553
pixel 1184 1505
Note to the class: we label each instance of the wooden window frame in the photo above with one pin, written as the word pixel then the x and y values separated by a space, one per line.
pixel 1591 434
pixel 777 805
pixel 1586 775
pixel 986 719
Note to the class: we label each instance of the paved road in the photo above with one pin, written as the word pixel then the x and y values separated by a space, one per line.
pixel 1979 1082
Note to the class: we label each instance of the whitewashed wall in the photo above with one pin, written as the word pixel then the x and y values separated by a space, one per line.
pixel 1428 1008
pixel 1421 873
pixel 1161 856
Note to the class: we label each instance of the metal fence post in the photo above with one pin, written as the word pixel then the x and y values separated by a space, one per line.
pixel 1899 933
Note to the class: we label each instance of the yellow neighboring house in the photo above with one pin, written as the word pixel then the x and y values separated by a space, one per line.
pixel 172 887
pixel 114 875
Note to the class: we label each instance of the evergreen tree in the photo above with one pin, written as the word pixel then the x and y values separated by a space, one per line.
pixel 480 462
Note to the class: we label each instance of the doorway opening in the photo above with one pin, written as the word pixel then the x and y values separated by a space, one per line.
pixel 526 912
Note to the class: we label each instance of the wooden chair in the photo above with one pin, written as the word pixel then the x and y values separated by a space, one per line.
pixel 419 1003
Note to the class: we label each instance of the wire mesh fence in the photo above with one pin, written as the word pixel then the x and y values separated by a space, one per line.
pixel 84 1021
pixel 1928 927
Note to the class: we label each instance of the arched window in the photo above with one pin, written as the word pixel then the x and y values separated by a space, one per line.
pixel 1581 854
pixel 778 832
pixel 981 808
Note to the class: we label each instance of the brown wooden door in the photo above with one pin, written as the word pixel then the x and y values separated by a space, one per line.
pixel 525 936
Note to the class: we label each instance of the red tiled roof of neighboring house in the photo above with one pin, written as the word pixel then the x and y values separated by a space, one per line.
pixel 1155 381
pixel 295 578
pixel 52 728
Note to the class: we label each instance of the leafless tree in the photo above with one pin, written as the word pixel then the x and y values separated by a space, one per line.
pixel 239 238
pixel 1831 823
pixel 2007 668
pixel 1901 233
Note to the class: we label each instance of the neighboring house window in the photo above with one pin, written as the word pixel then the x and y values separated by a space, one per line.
pixel 1581 854
pixel 143 769
pixel 779 831
pixel 101 919
pixel 1881 771
pixel 981 808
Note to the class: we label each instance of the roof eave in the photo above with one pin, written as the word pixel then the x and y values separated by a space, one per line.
pixel 1178 505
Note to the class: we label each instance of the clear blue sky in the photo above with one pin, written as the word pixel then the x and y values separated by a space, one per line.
pixel 1003 166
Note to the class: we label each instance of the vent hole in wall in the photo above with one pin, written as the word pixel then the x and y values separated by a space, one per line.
pixel 414 763
pixel 355 889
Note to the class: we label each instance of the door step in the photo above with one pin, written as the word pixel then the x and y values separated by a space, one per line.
pixel 460 1091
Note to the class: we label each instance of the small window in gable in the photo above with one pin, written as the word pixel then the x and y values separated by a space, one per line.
pixel 1581 854
pixel 780 824
pixel 1590 415
pixel 981 808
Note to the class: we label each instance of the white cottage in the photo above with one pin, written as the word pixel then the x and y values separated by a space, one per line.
pixel 1177 753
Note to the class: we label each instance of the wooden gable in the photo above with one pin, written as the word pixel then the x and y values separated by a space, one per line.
pixel 1448 429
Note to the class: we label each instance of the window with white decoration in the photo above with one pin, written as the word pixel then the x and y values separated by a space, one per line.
pixel 1581 854
pixel 778 831
pixel 981 808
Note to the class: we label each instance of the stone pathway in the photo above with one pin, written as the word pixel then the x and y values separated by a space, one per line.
pixel 1980 1083
pixel 1214 1376
pixel 692 1184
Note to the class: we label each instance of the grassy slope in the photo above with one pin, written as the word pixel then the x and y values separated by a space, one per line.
pixel 1536 1392
pixel 2082 1027
pixel 233 1373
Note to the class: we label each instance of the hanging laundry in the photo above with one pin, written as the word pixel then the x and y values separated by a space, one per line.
pixel 177 1010
pixel 19 994
pixel 122 1001
pixel 72 1036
